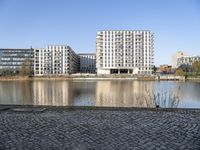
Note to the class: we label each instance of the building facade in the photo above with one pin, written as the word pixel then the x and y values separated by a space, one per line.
pixel 166 69
pixel 124 52
pixel 11 60
pixel 187 60
pixel 87 63
pixel 175 57
pixel 55 60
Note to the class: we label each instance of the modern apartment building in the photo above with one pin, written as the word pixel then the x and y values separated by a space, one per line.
pixel 187 60
pixel 124 52
pixel 87 63
pixel 11 59
pixel 55 60
pixel 175 57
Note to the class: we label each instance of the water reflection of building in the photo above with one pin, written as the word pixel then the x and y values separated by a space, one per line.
pixel 123 93
pixel 20 92
pixel 52 93
pixel 84 93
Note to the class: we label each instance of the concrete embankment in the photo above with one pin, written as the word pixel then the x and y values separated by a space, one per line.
pixel 77 78
pixel 170 78
pixel 104 77
pixel 195 79
pixel 13 78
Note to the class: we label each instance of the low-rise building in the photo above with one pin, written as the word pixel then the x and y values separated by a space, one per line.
pixel 87 63
pixel 185 68
pixel 11 60
pixel 55 60
pixel 175 58
pixel 166 69
pixel 187 60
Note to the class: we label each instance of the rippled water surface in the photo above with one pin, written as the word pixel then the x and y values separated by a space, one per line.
pixel 116 93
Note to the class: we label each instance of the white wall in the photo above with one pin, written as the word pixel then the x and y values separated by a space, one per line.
pixel 103 71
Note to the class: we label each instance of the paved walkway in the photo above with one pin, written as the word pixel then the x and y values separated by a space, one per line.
pixel 81 129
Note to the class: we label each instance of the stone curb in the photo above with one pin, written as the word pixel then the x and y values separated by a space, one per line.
pixel 68 108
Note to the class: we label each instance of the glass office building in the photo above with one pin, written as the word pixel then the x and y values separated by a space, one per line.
pixel 11 59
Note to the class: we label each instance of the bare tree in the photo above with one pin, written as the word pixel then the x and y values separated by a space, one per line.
pixel 25 69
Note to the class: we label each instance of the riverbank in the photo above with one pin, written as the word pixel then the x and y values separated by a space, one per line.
pixel 194 79
pixel 98 77
pixel 103 77
pixel 80 77
pixel 26 127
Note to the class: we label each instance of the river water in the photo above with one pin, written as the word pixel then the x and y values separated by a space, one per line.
pixel 114 93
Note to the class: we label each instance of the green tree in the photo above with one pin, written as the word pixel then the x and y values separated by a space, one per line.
pixel 179 72
pixel 25 69
pixel 196 67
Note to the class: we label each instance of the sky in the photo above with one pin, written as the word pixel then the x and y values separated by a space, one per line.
pixel 37 23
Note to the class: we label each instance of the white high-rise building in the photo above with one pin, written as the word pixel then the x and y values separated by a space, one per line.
pixel 119 51
pixel 55 60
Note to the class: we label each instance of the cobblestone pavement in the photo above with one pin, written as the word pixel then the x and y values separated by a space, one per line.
pixel 76 129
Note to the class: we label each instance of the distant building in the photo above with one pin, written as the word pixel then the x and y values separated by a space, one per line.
pixel 175 57
pixel 124 52
pixel 185 63
pixel 166 69
pixel 185 67
pixel 11 60
pixel 156 70
pixel 55 60
pixel 187 60
pixel 87 63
